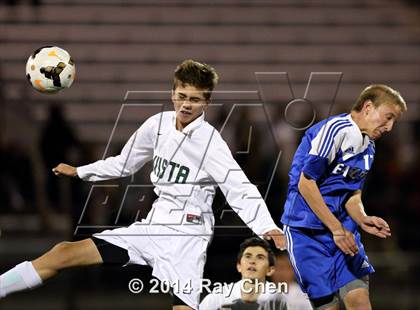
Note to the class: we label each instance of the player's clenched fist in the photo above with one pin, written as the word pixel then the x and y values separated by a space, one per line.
pixel 64 169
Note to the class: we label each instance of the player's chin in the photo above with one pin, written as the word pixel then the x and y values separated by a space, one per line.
pixel 251 275
pixel 184 117
pixel 375 136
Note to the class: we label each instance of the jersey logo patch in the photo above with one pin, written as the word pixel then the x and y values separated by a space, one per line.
pixel 350 150
pixel 365 264
pixel 192 218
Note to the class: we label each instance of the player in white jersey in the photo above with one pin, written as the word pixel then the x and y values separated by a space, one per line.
pixel 189 160
pixel 255 263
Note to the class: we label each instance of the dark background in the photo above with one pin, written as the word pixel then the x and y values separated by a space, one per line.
pixel 121 46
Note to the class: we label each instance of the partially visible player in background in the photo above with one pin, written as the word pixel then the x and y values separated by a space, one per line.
pixel 283 273
pixel 190 159
pixel 324 200
pixel 255 263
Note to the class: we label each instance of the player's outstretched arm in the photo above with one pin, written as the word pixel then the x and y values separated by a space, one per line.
pixel 343 238
pixel 65 170
pixel 240 193
pixel 371 224
pixel 136 152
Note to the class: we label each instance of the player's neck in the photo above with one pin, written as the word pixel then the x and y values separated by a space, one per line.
pixel 251 296
pixel 181 126
pixel 250 291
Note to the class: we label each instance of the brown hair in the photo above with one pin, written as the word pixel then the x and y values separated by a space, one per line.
pixel 253 242
pixel 199 75
pixel 379 94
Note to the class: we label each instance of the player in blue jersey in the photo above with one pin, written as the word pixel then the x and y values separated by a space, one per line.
pixel 324 206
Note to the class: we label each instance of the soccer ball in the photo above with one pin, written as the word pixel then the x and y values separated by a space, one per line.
pixel 50 69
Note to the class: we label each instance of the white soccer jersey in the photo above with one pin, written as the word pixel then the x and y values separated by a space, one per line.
pixel 187 167
pixel 231 293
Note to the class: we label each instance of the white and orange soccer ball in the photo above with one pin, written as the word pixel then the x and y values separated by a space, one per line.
pixel 50 69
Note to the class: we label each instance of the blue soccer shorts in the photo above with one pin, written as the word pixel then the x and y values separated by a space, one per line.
pixel 321 268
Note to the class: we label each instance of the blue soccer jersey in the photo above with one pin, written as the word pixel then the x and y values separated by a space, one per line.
pixel 338 157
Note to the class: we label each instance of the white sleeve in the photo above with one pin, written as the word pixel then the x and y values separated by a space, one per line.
pixel 212 302
pixel 136 152
pixel 240 193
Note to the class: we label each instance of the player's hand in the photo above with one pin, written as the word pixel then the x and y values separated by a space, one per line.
pixel 66 170
pixel 345 240
pixel 375 226
pixel 278 237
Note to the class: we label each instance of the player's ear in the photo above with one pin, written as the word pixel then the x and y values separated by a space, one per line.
pixel 206 104
pixel 270 271
pixel 173 97
pixel 239 267
pixel 368 106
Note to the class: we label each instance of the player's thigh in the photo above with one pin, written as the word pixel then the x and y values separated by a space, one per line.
pixel 355 294
pixel 181 308
pixel 111 254
pixel 357 299
pixel 70 254
pixel 352 271
pixel 330 302
pixel 312 261
pixel 180 260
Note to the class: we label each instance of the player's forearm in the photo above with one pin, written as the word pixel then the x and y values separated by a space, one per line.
pixel 354 207
pixel 246 201
pixel 102 170
pixel 310 192
pixel 256 215
pixel 136 152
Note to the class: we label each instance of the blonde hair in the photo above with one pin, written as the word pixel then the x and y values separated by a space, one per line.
pixel 379 94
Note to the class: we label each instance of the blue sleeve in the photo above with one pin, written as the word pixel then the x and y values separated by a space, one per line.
pixel 362 183
pixel 315 166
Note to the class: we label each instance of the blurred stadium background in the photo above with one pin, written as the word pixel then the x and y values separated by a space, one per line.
pixel 135 45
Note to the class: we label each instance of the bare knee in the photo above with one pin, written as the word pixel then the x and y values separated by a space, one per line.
pixel 65 255
pixel 62 254
pixel 71 254
pixel 179 307
pixel 49 264
pixel 59 257
pixel 357 299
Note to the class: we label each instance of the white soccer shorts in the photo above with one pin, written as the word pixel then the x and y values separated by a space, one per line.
pixel 176 258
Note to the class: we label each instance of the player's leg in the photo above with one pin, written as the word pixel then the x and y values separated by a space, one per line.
pixel 179 261
pixel 308 248
pixel 181 307
pixel 178 304
pixel 28 275
pixel 329 302
pixel 357 299
pixel 91 251
pixel 353 277
pixel 66 255
pixel 355 294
